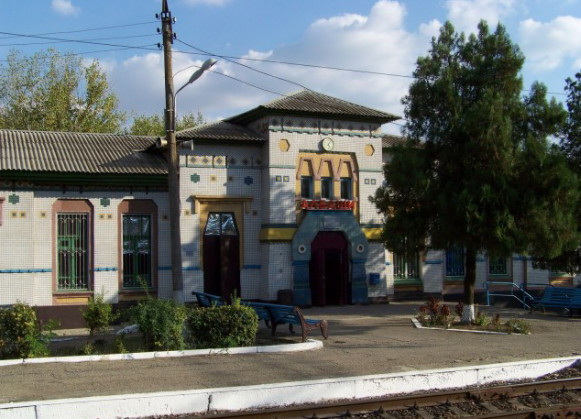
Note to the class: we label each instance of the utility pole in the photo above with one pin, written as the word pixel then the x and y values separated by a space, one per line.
pixel 172 157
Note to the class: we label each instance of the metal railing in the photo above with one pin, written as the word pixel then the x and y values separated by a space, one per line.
pixel 517 292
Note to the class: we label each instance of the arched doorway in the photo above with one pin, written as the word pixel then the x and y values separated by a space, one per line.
pixel 221 255
pixel 329 269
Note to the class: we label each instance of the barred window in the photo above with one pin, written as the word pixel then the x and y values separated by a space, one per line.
pixel 455 261
pixel 72 251
pixel 406 267
pixel 137 254
pixel 497 265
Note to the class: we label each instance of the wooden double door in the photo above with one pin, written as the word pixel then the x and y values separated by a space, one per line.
pixel 329 269
pixel 221 255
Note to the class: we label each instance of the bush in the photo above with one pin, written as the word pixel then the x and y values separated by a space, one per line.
pixel 21 335
pixel 435 314
pixel 98 314
pixel 222 326
pixel 161 322
pixel 518 326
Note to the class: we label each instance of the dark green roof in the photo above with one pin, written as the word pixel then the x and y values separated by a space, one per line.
pixel 73 152
pixel 310 103
pixel 219 131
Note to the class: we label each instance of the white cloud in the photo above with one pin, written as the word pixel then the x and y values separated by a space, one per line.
pixel 549 45
pixel 377 42
pixel 466 14
pixel 65 7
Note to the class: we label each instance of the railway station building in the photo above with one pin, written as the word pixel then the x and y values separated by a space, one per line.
pixel 274 204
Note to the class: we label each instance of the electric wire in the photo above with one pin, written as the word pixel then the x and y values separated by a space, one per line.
pixel 92 39
pixel 77 41
pixel 86 30
pixel 244 65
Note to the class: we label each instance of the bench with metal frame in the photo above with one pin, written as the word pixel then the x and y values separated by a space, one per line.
pixel 273 315
pixel 559 297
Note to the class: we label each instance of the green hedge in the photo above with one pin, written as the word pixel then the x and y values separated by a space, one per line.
pixel 222 326
pixel 161 322
pixel 21 335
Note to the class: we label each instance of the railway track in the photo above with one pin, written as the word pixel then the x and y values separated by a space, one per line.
pixel 559 398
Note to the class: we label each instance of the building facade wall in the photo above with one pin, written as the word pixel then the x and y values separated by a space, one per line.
pixel 27 262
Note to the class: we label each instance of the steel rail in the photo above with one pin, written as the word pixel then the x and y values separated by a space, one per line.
pixel 419 401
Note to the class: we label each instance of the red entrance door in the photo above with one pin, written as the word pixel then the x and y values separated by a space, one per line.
pixel 329 269
pixel 221 255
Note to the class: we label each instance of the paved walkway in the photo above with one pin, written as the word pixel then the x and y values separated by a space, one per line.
pixel 363 340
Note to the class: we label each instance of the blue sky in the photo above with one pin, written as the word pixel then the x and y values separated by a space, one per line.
pixel 381 36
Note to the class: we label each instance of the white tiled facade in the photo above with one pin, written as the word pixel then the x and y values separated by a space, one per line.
pixel 258 181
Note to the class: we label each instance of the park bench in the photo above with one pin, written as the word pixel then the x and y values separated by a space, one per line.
pixel 273 315
pixel 208 300
pixel 559 297
pixel 277 314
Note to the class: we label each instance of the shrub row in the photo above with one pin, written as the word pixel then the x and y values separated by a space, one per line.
pixel 164 325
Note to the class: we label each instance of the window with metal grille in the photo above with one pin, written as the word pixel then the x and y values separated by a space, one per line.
pixel 455 261
pixel 497 265
pixel 406 267
pixel 326 187
pixel 346 188
pixel 72 251
pixel 136 251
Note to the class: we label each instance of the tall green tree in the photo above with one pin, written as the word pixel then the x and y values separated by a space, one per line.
pixel 569 261
pixel 52 92
pixel 155 124
pixel 476 171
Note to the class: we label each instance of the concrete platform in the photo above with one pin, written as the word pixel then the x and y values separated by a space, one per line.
pixel 371 349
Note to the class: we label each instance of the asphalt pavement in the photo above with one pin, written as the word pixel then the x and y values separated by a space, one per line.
pixel 363 340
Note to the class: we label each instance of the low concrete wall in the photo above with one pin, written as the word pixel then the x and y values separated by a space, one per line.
pixel 281 394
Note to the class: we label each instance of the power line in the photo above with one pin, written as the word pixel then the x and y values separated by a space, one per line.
pixel 86 30
pixel 245 66
pixel 87 40
pixel 49 38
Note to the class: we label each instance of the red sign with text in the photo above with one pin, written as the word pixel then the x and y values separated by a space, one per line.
pixel 323 204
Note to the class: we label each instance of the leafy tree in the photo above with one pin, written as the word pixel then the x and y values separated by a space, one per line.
pixel 477 171
pixel 53 92
pixel 569 261
pixel 155 124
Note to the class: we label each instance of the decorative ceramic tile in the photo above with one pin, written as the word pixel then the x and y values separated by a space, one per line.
pixel 195 178
pixel 105 202
pixel 13 199
pixel 248 180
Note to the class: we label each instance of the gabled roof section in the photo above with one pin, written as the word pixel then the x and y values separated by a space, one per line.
pixel 219 131
pixel 390 140
pixel 68 152
pixel 313 104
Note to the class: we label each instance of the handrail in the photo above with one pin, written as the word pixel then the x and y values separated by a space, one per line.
pixel 524 297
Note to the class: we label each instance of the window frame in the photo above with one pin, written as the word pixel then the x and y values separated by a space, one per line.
pixel 72 206
pixel 135 262
pixel 73 235
pixel 412 261
pixel 493 261
pixel 138 207
pixel 326 187
pixel 309 192
pixel 346 182
pixel 453 255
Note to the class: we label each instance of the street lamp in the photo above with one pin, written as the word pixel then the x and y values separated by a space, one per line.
pixel 173 178
pixel 198 73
